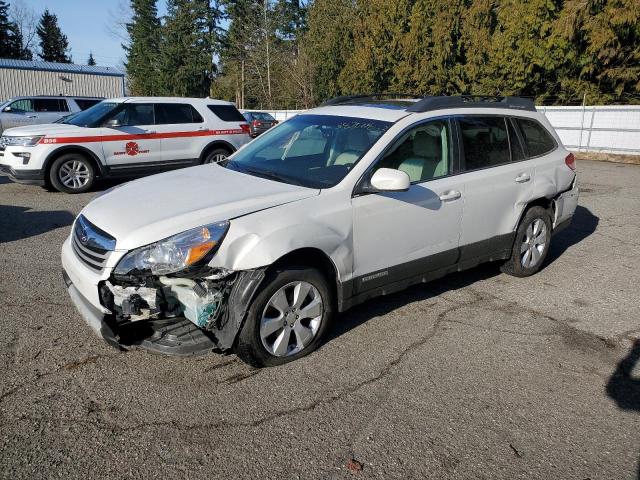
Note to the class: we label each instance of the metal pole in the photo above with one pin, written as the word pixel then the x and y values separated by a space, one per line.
pixel 584 100
pixel 593 114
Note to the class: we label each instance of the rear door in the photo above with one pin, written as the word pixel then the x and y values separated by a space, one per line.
pixel 183 131
pixel 129 137
pixel 498 181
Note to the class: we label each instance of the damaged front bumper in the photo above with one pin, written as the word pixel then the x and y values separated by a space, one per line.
pixel 180 317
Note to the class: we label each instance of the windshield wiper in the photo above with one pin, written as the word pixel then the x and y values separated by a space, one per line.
pixel 267 174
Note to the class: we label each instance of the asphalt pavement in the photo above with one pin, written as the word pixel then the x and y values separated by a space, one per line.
pixel 475 376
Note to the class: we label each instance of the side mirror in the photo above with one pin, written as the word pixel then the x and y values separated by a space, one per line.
pixel 390 180
pixel 114 123
pixel 6 109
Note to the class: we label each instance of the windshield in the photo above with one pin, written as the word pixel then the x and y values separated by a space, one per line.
pixel 315 151
pixel 91 116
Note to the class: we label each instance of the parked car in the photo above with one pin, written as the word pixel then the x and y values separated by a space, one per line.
pixel 259 122
pixel 122 137
pixel 20 111
pixel 357 198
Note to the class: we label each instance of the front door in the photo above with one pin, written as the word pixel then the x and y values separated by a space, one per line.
pixel 129 137
pixel 401 235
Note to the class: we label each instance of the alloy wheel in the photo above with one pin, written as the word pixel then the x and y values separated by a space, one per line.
pixel 533 244
pixel 74 174
pixel 291 319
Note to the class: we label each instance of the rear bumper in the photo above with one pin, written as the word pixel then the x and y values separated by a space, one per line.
pixel 27 177
pixel 565 206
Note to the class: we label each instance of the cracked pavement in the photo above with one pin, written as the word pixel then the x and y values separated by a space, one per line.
pixel 477 375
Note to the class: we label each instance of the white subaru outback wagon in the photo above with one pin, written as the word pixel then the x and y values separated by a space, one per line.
pixel 122 137
pixel 360 197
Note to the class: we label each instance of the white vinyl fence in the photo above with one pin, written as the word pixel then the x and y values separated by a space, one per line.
pixel 607 129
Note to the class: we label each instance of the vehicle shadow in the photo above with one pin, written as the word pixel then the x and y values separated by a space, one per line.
pixel 584 223
pixel 17 223
pixel 383 305
pixel 623 387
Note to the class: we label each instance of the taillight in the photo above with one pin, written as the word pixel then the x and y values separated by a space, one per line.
pixel 245 128
pixel 256 123
pixel 570 161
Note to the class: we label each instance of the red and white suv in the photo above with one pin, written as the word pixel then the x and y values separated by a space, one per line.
pixel 122 137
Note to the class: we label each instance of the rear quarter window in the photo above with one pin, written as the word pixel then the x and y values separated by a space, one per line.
pixel 536 138
pixel 227 113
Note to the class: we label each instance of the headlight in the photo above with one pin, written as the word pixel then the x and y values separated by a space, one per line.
pixel 175 253
pixel 21 141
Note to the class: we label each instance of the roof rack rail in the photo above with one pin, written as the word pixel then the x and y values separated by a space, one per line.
pixel 369 96
pixel 472 101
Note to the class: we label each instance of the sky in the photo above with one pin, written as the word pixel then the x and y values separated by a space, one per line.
pixel 88 25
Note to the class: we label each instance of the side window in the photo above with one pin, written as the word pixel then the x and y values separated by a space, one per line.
pixel 24 105
pixel 536 137
pixel 517 153
pixel 85 103
pixel 135 114
pixel 226 113
pixel 423 153
pixel 485 141
pixel 167 113
pixel 48 105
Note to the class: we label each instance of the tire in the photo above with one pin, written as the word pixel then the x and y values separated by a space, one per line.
pixel 531 243
pixel 63 178
pixel 277 342
pixel 216 155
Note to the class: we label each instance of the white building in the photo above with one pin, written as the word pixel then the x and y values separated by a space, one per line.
pixel 27 77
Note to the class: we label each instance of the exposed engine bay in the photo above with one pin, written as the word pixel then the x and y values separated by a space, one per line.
pixel 216 304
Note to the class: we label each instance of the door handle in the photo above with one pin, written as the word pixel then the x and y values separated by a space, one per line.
pixel 523 177
pixel 450 196
pixel 151 131
pixel 32 116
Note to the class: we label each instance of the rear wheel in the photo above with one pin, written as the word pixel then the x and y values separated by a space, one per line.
pixel 531 244
pixel 72 173
pixel 287 319
pixel 216 155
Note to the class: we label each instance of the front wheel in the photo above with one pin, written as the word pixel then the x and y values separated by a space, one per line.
pixel 531 243
pixel 287 319
pixel 72 173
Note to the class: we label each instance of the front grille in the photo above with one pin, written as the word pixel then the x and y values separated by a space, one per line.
pixel 91 245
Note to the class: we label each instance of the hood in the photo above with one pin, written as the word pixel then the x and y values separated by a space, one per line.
pixel 152 208
pixel 45 129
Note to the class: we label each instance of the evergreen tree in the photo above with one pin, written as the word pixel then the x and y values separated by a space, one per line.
pixel 601 45
pixel 376 63
pixel 11 42
pixel 143 49
pixel 91 61
pixel 329 43
pixel 187 48
pixel 53 43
